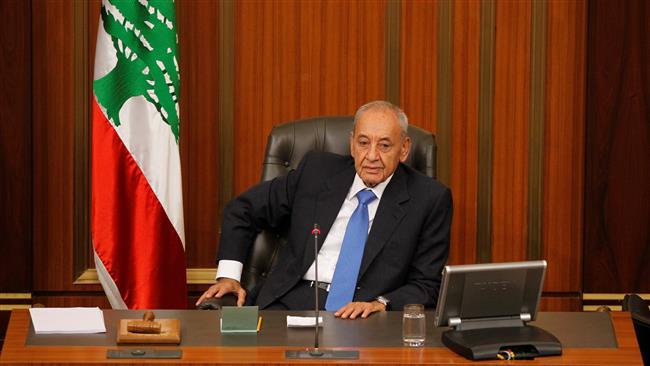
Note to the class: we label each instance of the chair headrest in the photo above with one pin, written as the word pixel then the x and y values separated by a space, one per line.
pixel 288 143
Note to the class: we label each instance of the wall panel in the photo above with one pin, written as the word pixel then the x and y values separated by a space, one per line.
pixel 511 111
pixel 15 157
pixel 418 63
pixel 53 143
pixel 15 146
pixel 564 141
pixel 296 59
pixel 464 144
pixel 198 34
pixel 617 198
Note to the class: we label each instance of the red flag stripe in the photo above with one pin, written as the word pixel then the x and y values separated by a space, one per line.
pixel 130 227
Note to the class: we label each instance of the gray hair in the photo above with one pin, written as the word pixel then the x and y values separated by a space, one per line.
pixel 384 105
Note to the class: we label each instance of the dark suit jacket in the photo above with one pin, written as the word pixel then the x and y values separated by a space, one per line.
pixel 406 249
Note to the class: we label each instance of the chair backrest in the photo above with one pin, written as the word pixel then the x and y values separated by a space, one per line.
pixel 287 145
pixel 640 313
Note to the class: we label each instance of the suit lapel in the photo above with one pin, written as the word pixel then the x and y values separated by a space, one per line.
pixel 389 214
pixel 328 204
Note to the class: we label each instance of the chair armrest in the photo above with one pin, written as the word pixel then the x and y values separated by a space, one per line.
pixel 216 304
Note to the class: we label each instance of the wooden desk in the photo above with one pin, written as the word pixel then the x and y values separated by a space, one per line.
pixel 15 352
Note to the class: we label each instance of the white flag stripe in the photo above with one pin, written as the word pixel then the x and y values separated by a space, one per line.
pixel 153 146
pixel 105 54
pixel 109 286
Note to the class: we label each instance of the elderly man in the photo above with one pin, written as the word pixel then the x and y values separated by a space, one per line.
pixel 386 226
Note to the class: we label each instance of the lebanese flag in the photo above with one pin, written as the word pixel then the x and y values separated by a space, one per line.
pixel 137 205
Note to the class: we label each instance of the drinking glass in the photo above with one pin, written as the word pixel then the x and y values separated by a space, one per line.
pixel 413 325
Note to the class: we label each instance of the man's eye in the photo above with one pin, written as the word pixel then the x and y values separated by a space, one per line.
pixel 384 146
pixel 363 143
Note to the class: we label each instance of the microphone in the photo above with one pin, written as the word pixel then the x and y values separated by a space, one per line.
pixel 317 353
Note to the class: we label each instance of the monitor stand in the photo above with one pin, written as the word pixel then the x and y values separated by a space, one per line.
pixel 506 342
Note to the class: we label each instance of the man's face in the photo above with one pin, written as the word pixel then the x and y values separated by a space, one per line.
pixel 377 145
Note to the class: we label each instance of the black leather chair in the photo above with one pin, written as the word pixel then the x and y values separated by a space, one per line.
pixel 285 148
pixel 640 313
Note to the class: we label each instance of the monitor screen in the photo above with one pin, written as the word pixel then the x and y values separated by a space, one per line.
pixel 490 290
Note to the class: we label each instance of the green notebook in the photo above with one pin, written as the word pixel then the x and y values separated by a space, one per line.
pixel 242 319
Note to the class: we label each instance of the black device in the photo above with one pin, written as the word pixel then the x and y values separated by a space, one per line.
pixel 141 353
pixel 489 305
pixel 316 353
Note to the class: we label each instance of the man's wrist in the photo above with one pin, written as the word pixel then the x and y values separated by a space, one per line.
pixel 383 301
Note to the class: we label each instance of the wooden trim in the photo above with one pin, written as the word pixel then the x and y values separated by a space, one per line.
pixel 226 98
pixel 444 100
pixel 15 295
pixel 9 307
pixel 201 276
pixel 598 307
pixel 81 226
pixel 195 276
pixel 536 129
pixel 612 296
pixel 392 50
pixel 485 120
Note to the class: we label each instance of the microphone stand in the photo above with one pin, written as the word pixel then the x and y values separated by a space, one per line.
pixel 317 353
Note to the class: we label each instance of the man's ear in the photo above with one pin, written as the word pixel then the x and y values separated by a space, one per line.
pixel 405 149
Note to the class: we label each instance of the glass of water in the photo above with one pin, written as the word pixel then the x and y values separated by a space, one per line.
pixel 413 325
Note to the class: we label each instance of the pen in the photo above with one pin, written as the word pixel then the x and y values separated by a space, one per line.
pixel 259 323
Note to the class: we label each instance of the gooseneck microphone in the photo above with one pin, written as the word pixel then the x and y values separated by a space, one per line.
pixel 316 352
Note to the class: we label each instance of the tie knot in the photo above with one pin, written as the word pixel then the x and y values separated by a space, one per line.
pixel 366 196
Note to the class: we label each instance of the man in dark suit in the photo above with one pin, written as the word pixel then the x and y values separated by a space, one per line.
pixel 389 223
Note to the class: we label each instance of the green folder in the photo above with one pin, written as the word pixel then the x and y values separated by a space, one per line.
pixel 235 319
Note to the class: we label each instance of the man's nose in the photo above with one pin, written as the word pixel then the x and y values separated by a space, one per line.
pixel 373 152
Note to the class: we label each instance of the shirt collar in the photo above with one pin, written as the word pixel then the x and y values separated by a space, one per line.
pixel 358 185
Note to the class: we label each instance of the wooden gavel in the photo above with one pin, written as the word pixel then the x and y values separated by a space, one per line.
pixel 147 325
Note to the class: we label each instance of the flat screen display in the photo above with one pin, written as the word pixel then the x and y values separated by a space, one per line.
pixel 490 290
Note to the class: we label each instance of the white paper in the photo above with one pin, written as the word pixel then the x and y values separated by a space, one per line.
pixel 303 321
pixel 67 320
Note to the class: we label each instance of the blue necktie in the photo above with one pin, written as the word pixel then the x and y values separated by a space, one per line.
pixel 347 266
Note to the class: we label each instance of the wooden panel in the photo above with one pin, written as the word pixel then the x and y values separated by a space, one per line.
pixel 296 59
pixel 70 300
pixel 199 143
pixel 511 110
pixel 15 146
pixel 561 302
pixel 564 145
pixel 485 149
pixel 53 148
pixel 4 321
pixel 418 71
pixel 617 198
pixel 464 144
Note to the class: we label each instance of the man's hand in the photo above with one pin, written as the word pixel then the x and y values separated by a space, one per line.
pixel 353 309
pixel 222 287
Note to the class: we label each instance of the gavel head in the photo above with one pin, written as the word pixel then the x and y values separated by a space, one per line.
pixel 149 316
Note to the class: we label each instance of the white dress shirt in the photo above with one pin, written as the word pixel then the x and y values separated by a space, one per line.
pixel 329 252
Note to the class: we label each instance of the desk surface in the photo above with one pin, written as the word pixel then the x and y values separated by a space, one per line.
pixel 16 351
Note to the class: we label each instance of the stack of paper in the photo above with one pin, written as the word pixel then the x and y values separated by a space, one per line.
pixel 67 320
pixel 303 321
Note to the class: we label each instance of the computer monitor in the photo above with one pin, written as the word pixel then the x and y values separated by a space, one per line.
pixel 489 291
